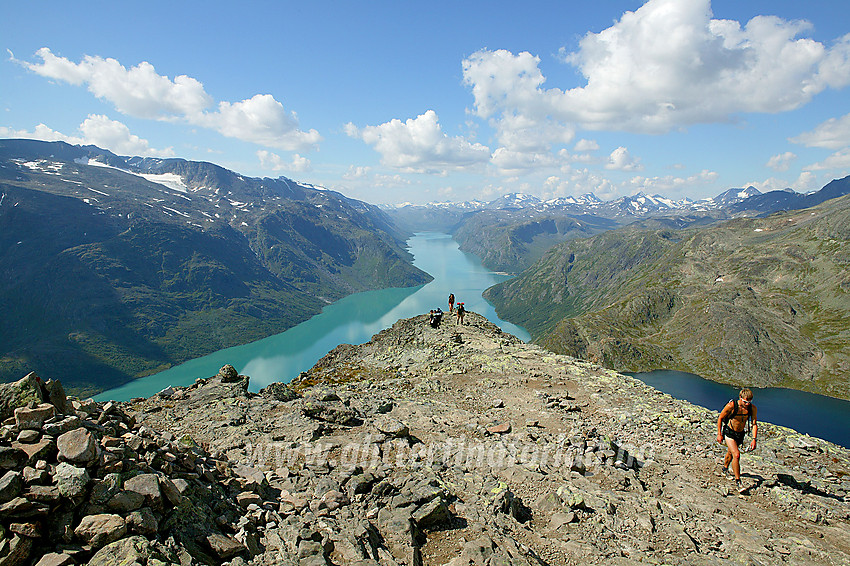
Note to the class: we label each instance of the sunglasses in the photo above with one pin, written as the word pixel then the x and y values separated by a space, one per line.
pixel 745 402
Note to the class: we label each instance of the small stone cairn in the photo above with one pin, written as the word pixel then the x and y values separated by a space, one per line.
pixel 81 482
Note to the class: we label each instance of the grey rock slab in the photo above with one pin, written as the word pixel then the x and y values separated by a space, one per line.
pixel 146 485
pixel 19 552
pixel 224 546
pixel 102 529
pixel 60 427
pixel 56 559
pixel 125 501
pixel 26 418
pixel 78 446
pixel 11 485
pixel 71 480
pixel 28 436
pixel 393 428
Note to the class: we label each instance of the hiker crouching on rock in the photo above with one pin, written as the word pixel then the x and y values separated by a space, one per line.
pixel 732 426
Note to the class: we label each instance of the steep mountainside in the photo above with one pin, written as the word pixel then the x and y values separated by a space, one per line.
pixel 510 241
pixel 115 267
pixel 757 301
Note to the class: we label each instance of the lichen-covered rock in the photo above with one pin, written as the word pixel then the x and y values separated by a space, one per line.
pixel 29 389
pixel 131 550
pixel 228 374
pixel 71 480
pixel 280 392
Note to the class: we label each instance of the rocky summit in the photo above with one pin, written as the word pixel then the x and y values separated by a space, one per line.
pixel 456 445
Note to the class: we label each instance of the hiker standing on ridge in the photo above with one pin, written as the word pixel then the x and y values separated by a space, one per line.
pixel 732 427
pixel 460 312
pixel 451 302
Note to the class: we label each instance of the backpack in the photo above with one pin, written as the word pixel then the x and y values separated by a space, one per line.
pixel 735 412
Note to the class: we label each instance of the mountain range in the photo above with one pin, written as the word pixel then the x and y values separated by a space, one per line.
pixel 116 267
pixel 758 301
pixel 513 231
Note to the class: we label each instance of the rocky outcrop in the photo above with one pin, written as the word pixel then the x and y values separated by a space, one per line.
pixel 84 482
pixel 450 446
pixel 464 446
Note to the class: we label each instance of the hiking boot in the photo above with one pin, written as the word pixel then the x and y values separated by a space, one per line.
pixel 740 485
pixel 726 473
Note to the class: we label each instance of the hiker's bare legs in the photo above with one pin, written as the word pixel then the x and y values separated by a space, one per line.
pixel 733 456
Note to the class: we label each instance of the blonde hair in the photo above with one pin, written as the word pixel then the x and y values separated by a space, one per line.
pixel 746 394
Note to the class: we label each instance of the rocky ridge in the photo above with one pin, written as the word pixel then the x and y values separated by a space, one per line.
pixel 457 445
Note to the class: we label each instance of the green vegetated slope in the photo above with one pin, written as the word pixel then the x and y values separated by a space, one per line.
pixel 106 276
pixel 511 241
pixel 750 301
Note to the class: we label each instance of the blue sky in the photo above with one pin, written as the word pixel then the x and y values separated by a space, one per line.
pixel 443 101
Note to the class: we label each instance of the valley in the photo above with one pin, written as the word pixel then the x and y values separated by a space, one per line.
pixel 756 301
pixel 112 268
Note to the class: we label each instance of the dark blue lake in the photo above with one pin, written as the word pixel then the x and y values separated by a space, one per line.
pixel 816 415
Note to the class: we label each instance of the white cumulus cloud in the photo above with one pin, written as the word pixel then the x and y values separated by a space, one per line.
pixel 275 162
pixel 838 160
pixel 141 92
pixel 419 145
pixel 667 65
pixel 832 134
pixel 782 161
pixel 96 130
pixel 621 160
pixel 586 145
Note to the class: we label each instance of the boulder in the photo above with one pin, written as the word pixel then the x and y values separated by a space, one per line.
pixel 432 514
pixel 279 391
pixel 146 485
pixel 56 397
pixel 28 436
pixel 392 427
pixel 71 480
pixel 41 450
pixel 224 546
pixel 20 549
pixel 11 485
pixel 12 457
pixel 100 530
pixel 143 522
pixel 503 428
pixel 33 418
pixel 77 446
pixel 130 550
pixel 19 394
pixel 61 427
pixel 228 374
pixel 125 501
pixel 56 559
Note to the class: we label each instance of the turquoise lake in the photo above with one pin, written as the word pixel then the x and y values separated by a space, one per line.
pixel 352 320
